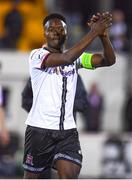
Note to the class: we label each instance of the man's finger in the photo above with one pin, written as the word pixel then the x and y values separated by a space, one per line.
pixel 94 18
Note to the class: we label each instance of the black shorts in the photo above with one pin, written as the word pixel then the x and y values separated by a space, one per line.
pixel 44 146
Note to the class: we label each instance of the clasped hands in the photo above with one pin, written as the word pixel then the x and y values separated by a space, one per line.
pixel 104 20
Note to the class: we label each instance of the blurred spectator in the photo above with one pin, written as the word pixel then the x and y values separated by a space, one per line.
pixel 125 7
pixel 9 144
pixel 32 12
pixel 127 120
pixel 113 164
pixel 118 31
pixel 83 7
pixel 4 134
pixel 4 137
pixel 51 5
pixel 81 104
pixel 75 30
pixel 8 165
pixel 95 100
pixel 13 28
pixel 74 19
pixel 128 157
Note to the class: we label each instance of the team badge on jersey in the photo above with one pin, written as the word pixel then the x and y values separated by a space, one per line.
pixel 29 159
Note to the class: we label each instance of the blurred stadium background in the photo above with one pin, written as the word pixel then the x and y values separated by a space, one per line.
pixel 107 151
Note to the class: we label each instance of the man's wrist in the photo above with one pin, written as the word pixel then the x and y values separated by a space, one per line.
pixel 104 37
pixel 93 33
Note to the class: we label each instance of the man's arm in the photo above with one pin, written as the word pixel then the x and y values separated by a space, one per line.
pixel 27 96
pixel 56 59
pixel 108 57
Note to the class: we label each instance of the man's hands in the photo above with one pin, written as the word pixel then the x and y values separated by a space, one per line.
pixel 100 23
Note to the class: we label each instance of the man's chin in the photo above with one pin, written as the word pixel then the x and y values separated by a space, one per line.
pixel 57 45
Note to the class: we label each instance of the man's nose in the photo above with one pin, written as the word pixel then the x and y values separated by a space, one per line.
pixel 57 31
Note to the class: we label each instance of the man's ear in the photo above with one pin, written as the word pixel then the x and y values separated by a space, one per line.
pixel 66 37
pixel 44 31
pixel 44 34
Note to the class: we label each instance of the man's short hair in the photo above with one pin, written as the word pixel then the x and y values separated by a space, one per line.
pixel 53 16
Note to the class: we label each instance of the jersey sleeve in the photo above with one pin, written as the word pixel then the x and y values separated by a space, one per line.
pixel 37 57
pixel 84 61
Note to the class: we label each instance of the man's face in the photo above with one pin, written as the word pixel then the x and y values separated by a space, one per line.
pixel 55 32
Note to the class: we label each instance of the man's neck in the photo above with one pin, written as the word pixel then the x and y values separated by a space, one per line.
pixel 53 50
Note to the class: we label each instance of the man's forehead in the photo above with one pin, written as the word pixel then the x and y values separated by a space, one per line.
pixel 55 22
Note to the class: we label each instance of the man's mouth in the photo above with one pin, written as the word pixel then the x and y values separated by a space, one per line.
pixel 56 38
